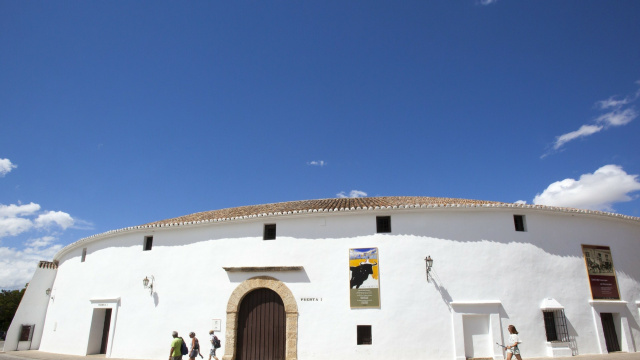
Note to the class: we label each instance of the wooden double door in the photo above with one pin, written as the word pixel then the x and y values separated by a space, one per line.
pixel 261 327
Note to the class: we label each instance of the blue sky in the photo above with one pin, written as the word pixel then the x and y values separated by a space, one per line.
pixel 119 113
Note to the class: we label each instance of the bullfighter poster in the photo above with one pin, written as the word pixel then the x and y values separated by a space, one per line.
pixel 602 274
pixel 365 280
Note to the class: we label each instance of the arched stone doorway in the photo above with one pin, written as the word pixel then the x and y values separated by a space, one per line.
pixel 290 309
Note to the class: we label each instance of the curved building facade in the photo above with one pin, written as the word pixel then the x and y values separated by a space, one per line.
pixel 348 277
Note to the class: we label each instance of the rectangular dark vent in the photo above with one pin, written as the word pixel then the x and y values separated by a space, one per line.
pixel 383 224
pixel 364 335
pixel 148 243
pixel 518 220
pixel 269 232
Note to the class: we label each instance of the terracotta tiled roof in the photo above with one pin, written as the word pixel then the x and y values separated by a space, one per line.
pixel 333 205
pixel 319 205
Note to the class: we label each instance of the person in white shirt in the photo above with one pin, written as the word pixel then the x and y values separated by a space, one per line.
pixel 514 340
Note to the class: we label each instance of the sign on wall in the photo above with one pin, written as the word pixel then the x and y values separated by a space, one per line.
pixel 602 274
pixel 216 325
pixel 365 281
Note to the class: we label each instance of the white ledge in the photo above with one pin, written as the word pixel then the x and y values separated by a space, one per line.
pixel 551 304
pixel 615 302
pixel 471 303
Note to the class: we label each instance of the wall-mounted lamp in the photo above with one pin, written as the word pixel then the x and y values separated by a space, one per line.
pixel 148 284
pixel 429 262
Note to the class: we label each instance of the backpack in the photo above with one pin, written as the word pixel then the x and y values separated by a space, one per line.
pixel 183 348
pixel 216 342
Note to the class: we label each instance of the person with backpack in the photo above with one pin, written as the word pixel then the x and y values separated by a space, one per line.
pixel 177 345
pixel 215 344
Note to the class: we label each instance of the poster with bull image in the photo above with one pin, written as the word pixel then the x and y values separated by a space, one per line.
pixel 602 275
pixel 365 280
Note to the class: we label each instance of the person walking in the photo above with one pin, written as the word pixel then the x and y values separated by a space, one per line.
pixel 514 340
pixel 195 346
pixel 214 341
pixel 176 343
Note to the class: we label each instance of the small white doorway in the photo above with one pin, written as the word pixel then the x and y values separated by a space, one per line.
pixel 99 333
pixel 477 336
pixel 103 324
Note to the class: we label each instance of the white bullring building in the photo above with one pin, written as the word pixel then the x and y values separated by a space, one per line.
pixel 345 278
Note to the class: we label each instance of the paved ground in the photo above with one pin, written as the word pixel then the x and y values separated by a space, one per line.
pixel 39 355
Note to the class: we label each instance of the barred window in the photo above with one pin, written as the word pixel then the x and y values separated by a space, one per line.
pixel 550 326
pixel 555 325
pixel 26 332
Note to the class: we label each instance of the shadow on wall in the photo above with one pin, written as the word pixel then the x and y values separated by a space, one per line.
pixel 437 283
pixel 555 233
pixel 633 324
pixel 573 335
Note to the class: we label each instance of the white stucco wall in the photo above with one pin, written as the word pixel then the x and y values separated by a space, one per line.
pixel 32 310
pixel 482 267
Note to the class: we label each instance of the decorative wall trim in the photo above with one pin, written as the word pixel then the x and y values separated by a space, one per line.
pixel 47 265
pixel 262 268
pixel 290 309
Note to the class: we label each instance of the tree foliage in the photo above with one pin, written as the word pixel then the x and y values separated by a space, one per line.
pixel 9 301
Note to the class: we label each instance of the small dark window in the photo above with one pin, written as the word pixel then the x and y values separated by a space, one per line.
pixel 550 326
pixel 26 332
pixel 383 224
pixel 364 335
pixel 84 255
pixel 148 243
pixel 518 221
pixel 269 232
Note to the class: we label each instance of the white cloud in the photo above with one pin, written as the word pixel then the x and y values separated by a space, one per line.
pixel 598 191
pixel 618 118
pixel 13 226
pixel 17 219
pixel 352 194
pixel 521 202
pixel 585 130
pixel 15 210
pixel 621 113
pixel 488 2
pixel 320 163
pixel 18 266
pixel 6 166
pixel 40 242
pixel 612 103
pixel 60 218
